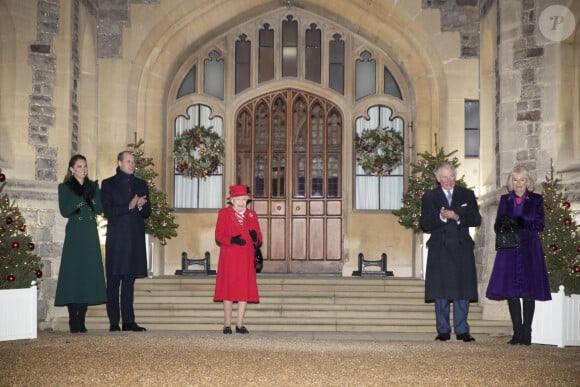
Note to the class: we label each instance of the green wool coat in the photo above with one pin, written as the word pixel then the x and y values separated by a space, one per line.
pixel 81 279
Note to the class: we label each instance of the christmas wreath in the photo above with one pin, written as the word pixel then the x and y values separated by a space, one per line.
pixel 198 152
pixel 379 151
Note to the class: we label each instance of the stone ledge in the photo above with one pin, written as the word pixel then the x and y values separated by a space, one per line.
pixel 46 191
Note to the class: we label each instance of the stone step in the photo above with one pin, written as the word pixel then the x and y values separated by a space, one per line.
pixel 290 304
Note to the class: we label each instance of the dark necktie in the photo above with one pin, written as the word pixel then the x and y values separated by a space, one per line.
pixel 448 195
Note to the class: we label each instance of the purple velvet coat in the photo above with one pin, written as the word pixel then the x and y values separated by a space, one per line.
pixel 521 272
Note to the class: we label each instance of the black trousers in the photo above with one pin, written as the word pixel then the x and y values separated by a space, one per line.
pixel 126 283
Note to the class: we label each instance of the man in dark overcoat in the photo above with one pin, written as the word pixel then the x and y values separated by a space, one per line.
pixel 447 213
pixel 125 205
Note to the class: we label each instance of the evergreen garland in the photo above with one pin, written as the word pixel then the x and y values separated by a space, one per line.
pixel 379 151
pixel 421 180
pixel 19 266
pixel 161 223
pixel 560 238
pixel 198 152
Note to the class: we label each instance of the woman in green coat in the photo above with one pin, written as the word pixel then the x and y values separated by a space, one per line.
pixel 81 279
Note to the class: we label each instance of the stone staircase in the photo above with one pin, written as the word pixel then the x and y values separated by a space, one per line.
pixel 292 304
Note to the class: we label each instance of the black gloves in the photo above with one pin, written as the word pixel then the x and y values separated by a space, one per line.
pixel 237 240
pixel 254 235
pixel 504 220
pixel 517 223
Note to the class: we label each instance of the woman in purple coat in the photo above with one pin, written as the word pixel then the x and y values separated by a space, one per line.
pixel 520 273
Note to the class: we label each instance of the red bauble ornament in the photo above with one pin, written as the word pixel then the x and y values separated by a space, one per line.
pixel 553 247
pixel 8 220
pixel 22 228
pixel 568 221
pixel 38 273
pixel 549 208
pixel 2 177
pixel 11 278
pixel 566 205
pixel 576 269
pixel 578 249
pixel 15 245
pixel 31 246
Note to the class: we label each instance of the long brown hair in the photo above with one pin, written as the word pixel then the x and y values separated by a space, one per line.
pixel 71 164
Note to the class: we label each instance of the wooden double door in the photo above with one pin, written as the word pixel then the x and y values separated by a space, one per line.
pixel 289 150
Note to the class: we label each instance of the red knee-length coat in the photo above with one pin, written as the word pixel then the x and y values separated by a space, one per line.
pixel 236 274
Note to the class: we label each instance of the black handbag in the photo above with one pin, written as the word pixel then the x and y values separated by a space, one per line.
pixel 259 259
pixel 259 263
pixel 507 238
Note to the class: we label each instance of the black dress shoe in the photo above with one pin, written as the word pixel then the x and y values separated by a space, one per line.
pixel 466 337
pixel 133 327
pixel 526 340
pixel 514 341
pixel 443 337
pixel 227 331
pixel 114 328
pixel 242 330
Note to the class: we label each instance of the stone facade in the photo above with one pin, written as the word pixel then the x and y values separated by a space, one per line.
pixel 90 76
pixel 42 111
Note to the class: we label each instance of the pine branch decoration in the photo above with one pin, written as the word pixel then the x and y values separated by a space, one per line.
pixel 161 223
pixel 560 238
pixel 19 265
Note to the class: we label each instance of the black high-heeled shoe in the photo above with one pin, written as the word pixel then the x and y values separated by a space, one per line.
pixel 242 330
pixel 227 331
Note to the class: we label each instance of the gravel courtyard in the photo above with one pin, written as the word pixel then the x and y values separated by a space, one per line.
pixel 101 358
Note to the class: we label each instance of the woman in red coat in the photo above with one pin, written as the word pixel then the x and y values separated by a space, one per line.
pixel 236 232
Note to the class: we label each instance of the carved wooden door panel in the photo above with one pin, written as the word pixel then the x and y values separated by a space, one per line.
pixel 289 150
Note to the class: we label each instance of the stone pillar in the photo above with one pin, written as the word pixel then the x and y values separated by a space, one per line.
pixel 42 112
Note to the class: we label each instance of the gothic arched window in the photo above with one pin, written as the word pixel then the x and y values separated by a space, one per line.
pixel 195 192
pixel 372 192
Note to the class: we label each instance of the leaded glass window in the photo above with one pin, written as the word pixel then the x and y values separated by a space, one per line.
pixel 372 192
pixel 195 192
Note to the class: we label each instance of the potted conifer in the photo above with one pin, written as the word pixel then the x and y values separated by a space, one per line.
pixel 557 322
pixel 20 268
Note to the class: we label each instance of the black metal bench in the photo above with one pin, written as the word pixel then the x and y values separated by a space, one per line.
pixel 364 264
pixel 202 265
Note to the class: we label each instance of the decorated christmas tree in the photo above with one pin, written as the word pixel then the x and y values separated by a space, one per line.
pixel 19 266
pixel 560 238
pixel 423 179
pixel 161 224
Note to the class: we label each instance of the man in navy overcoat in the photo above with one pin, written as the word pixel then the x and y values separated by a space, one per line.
pixel 447 213
pixel 125 205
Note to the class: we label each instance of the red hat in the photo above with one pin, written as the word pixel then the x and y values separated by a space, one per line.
pixel 237 191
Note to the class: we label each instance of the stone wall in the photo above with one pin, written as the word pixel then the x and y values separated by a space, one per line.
pixel 462 16
pixel 485 255
pixel 42 112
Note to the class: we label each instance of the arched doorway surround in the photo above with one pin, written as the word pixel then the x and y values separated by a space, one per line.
pixel 157 84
